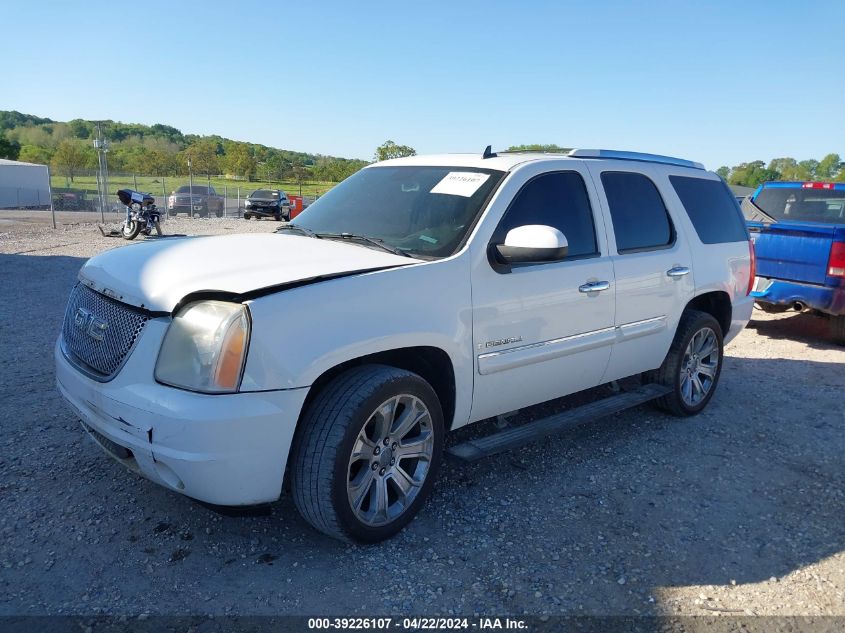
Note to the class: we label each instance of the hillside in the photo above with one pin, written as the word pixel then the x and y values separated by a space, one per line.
pixel 159 150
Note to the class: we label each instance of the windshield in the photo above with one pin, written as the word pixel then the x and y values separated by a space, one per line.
pixel 799 204
pixel 264 193
pixel 197 189
pixel 424 211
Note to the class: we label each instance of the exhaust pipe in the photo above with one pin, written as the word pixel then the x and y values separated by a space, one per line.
pixel 798 306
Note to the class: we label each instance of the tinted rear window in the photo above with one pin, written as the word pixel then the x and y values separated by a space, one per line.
pixel 712 208
pixel 640 220
pixel 797 204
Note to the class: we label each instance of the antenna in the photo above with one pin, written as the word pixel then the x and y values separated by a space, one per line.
pixel 488 152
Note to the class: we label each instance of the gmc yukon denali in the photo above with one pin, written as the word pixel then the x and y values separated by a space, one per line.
pixel 430 292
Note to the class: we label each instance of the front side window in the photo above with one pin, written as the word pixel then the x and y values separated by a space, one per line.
pixel 640 219
pixel 559 200
pixel 424 211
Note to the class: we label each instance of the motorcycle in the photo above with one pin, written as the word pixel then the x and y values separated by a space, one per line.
pixel 142 215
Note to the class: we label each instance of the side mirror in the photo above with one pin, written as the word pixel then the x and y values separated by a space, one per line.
pixel 532 243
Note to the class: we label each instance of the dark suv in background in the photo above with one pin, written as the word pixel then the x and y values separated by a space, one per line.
pixel 267 203
pixel 197 200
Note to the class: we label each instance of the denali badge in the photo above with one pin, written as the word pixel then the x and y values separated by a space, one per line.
pixel 92 325
pixel 503 341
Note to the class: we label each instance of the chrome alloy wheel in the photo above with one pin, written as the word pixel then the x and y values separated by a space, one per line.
pixel 699 366
pixel 390 460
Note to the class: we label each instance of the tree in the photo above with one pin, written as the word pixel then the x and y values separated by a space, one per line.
pixel 240 162
pixel 35 154
pixel 724 171
pixel 539 147
pixel 786 167
pixel 203 156
pixel 828 167
pixel 809 169
pixel 70 157
pixel 389 149
pixel 752 174
pixel 81 129
pixel 9 149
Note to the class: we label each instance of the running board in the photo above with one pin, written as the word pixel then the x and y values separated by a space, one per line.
pixel 525 434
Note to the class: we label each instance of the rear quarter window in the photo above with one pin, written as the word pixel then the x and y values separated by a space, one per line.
pixel 712 209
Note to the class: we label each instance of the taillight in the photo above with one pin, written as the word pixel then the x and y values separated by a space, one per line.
pixel 752 273
pixel 817 185
pixel 836 262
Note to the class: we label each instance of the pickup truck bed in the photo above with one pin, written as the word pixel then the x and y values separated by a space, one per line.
pixel 799 235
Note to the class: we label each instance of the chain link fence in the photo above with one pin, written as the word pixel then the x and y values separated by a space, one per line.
pixel 76 200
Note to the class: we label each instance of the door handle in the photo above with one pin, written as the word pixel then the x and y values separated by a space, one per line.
pixel 678 271
pixel 594 286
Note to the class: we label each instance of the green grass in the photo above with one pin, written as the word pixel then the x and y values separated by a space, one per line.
pixel 158 185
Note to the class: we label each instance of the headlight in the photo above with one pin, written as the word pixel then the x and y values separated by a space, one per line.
pixel 204 348
pixel 248 203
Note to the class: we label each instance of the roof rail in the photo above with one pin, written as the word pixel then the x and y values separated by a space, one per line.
pixel 623 155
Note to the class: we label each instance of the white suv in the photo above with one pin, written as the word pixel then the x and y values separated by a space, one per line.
pixel 427 293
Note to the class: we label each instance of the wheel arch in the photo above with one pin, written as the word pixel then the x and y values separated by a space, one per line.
pixel 433 364
pixel 717 304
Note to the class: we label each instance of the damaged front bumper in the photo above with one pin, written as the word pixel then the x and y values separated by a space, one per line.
pixel 228 449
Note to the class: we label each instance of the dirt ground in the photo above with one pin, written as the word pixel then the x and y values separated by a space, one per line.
pixel 739 510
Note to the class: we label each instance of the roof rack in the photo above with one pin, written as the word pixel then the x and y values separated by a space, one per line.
pixel 623 155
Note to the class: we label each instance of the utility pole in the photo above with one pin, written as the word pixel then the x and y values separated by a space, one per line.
pixel 102 147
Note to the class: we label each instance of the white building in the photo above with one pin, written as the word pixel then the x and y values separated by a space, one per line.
pixel 23 185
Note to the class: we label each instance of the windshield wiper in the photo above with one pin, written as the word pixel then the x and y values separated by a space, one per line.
pixel 364 238
pixel 301 229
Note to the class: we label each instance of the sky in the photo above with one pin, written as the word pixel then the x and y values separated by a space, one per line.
pixel 720 82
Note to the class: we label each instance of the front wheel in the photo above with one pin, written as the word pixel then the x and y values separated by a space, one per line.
pixel 692 367
pixel 131 229
pixel 367 453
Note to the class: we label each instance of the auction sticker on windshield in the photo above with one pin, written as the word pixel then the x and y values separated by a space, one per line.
pixel 460 183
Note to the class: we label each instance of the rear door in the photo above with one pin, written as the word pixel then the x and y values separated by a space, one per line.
pixel 652 265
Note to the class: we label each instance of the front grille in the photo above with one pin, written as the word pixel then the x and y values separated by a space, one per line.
pixel 99 333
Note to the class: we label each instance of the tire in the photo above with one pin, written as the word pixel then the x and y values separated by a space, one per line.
pixel 837 329
pixel 277 217
pixel 324 471
pixel 172 214
pixel 131 232
pixel 685 400
pixel 246 216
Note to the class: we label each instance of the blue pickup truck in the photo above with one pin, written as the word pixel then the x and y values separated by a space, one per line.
pixel 798 229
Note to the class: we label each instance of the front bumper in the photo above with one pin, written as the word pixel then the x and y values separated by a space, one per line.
pixel 228 449
pixel 185 208
pixel 827 299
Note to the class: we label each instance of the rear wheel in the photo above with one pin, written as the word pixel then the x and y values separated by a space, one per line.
pixel 367 453
pixel 692 366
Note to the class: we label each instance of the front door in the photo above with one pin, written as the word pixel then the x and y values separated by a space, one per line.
pixel 543 330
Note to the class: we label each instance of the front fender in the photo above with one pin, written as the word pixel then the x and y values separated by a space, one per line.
pixel 300 333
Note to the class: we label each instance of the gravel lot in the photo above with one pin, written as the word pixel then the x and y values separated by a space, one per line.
pixel 740 510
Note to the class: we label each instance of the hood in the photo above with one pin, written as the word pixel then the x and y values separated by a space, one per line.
pixel 159 273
